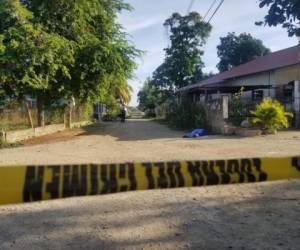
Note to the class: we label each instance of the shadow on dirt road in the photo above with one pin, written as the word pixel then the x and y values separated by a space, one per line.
pixel 140 130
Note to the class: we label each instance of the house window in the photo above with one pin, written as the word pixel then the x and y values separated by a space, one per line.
pixel 257 95
pixel 288 92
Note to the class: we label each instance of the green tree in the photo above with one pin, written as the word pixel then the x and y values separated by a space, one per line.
pixel 64 48
pixel 102 51
pixel 237 108
pixel 235 50
pixel 121 91
pixel 31 59
pixel 148 98
pixel 282 12
pixel 183 65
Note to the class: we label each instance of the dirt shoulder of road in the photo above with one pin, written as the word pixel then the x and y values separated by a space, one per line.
pixel 61 136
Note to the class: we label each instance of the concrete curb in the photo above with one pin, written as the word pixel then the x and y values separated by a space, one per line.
pixel 21 135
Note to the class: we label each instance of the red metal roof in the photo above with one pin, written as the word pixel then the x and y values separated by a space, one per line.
pixel 275 60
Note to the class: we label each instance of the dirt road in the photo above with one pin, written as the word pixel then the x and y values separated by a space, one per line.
pixel 248 217
pixel 143 140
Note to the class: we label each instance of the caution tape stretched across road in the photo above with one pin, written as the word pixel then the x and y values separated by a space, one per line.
pixel 34 183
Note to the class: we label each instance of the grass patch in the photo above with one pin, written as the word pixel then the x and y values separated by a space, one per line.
pixel 4 144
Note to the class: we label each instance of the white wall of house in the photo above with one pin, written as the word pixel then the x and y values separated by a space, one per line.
pixel 267 78
pixel 275 78
pixel 288 74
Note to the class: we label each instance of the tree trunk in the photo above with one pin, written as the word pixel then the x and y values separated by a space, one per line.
pixel 28 111
pixel 40 110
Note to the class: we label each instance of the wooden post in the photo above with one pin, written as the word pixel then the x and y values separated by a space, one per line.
pixel 40 111
pixel 28 111
pixel 68 112
pixel 67 120
pixel 2 135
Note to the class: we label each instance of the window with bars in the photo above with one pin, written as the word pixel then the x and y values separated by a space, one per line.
pixel 257 95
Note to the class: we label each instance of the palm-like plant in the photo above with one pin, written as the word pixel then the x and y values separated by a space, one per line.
pixel 123 92
pixel 271 116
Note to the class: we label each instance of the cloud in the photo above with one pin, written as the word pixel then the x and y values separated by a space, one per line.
pixel 132 26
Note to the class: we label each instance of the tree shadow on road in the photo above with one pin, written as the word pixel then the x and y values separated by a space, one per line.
pixel 140 130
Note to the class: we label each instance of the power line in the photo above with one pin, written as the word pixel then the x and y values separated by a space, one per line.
pixel 219 6
pixel 211 6
pixel 190 6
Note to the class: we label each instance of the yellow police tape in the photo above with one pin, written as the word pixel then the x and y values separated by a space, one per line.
pixel 35 183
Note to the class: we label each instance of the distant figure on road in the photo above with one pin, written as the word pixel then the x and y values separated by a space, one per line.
pixel 123 113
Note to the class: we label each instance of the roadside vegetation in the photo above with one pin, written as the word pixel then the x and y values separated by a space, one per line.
pixel 235 50
pixel 183 65
pixel 270 116
pixel 61 53
pixel 237 110
pixel 4 144
pixel 186 115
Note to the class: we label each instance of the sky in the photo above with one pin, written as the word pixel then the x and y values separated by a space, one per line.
pixel 144 26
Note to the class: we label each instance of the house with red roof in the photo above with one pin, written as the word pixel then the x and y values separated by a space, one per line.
pixel 276 75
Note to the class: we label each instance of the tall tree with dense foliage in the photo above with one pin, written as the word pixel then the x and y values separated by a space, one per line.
pixel 183 64
pixel 283 12
pixel 64 48
pixel 32 60
pixel 148 97
pixel 235 50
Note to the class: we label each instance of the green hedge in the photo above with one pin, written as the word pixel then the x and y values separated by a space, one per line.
pixel 186 115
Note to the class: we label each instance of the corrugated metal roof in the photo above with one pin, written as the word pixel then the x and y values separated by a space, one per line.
pixel 275 60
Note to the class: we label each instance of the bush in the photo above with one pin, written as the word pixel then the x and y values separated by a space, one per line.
pixel 270 116
pixel 186 115
pixel 54 115
pixel 150 113
pixel 83 112
pixel 237 108
pixel 162 110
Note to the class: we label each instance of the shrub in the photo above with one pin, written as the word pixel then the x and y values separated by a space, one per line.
pixel 150 113
pixel 162 110
pixel 113 111
pixel 237 108
pixel 186 115
pixel 270 115
pixel 54 115
pixel 84 112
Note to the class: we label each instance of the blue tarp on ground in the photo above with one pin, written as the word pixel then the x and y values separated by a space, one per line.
pixel 196 133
